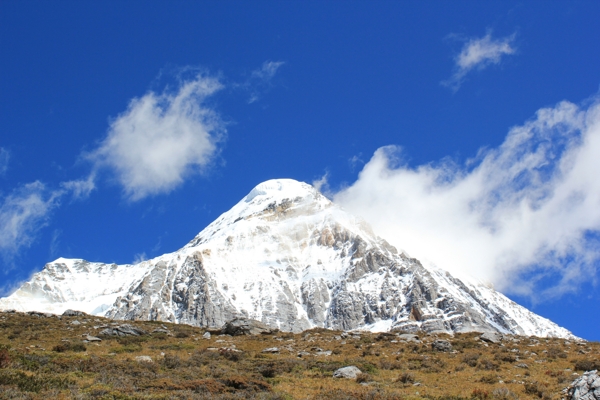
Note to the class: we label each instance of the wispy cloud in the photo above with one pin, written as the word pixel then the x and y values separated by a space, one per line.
pixel 22 214
pixel 479 53
pixel 161 139
pixel 4 159
pixel 523 212
pixel 322 184
pixel 260 79
pixel 81 188
pixel 27 209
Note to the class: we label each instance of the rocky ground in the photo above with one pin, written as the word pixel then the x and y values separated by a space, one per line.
pixel 81 356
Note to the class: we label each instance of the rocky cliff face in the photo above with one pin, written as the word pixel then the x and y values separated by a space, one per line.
pixel 287 256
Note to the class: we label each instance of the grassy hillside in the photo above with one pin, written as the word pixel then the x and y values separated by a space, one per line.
pixel 47 358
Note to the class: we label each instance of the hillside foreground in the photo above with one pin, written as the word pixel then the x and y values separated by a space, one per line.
pixel 46 356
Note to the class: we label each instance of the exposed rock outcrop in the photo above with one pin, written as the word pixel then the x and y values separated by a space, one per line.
pixel 245 326
pixel 586 387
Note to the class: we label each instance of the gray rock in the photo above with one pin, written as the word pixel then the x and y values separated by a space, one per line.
pixel 39 314
pixel 324 353
pixel 271 350
pixel 73 313
pixel 409 337
pixel 123 330
pixel 92 338
pixel 143 359
pixel 441 345
pixel 160 330
pixel 245 326
pixel 522 365
pixel 303 353
pixel 206 335
pixel 491 337
pixel 75 323
pixel 586 387
pixel 350 372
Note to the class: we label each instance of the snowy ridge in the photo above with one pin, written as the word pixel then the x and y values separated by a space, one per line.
pixel 289 257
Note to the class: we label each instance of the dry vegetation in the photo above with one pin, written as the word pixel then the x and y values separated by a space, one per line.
pixel 46 358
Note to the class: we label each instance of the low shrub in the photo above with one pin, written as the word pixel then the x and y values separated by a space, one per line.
pixel 503 393
pixel 480 394
pixel 471 359
pixel 587 365
pixel 363 377
pixel 535 389
pixel 174 346
pixel 505 357
pixel 171 361
pixel 487 365
pixel 130 348
pixel 248 384
pixel 129 340
pixel 5 358
pixel 33 383
pixel 555 352
pixel 67 346
pixel 388 365
pixel 490 379
pixel 406 378
pixel 33 362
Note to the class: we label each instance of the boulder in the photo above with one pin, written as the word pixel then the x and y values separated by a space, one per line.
pixel 491 337
pixel 271 350
pixel 409 337
pixel 92 338
pixel 143 359
pixel 123 330
pixel 206 335
pixel 586 387
pixel 324 353
pixel 73 313
pixel 350 372
pixel 39 314
pixel 245 326
pixel 441 345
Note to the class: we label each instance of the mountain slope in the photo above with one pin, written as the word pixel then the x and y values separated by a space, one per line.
pixel 289 257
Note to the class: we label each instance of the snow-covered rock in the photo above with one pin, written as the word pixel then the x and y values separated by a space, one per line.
pixel 286 256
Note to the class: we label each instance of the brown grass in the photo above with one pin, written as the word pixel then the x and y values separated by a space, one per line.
pixel 42 358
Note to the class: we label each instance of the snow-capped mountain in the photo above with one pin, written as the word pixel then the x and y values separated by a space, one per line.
pixel 289 257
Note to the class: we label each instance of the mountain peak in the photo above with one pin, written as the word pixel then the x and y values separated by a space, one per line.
pixel 287 256
pixel 280 188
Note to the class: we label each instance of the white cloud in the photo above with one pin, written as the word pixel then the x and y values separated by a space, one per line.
pixel 479 53
pixel 81 188
pixel 260 79
pixel 322 184
pixel 268 70
pixel 161 139
pixel 25 211
pixel 139 257
pixel 525 211
pixel 22 214
pixel 4 159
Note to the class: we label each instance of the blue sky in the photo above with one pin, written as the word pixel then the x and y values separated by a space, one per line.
pixel 466 133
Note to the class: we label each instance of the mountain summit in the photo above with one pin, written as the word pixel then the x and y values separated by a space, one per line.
pixel 289 257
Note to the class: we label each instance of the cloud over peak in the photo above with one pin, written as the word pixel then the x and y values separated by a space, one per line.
pixel 525 211
pixel 162 138
pixel 479 53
